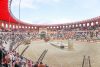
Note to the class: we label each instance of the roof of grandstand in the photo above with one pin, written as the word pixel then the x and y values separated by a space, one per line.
pixel 6 15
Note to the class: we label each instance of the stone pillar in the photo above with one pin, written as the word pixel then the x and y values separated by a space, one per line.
pixel 70 44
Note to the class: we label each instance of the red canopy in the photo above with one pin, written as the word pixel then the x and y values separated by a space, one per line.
pixel 5 13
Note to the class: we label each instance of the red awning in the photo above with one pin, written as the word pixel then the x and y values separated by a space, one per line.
pixel 5 13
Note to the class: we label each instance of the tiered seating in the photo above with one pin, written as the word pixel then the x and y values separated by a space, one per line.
pixel 12 58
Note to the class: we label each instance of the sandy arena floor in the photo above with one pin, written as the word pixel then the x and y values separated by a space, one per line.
pixel 56 57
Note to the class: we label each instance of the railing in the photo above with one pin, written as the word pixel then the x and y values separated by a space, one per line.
pixel 86 62
pixel 89 61
pixel 83 61
pixel 42 56
pixel 24 50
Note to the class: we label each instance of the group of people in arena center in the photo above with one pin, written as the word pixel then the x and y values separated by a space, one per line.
pixel 9 57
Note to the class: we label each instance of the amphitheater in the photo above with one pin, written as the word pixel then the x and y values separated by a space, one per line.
pixel 63 57
pixel 56 45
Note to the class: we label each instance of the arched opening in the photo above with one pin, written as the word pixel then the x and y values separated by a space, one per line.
pixel 10 26
pixel 80 25
pixel 92 24
pixel 13 26
pixel 2 25
pixel 43 35
pixel 97 22
pixel 87 24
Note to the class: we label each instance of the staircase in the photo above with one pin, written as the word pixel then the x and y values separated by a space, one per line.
pixel 86 62
pixel 42 56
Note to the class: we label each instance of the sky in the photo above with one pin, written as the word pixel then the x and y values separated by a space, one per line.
pixel 55 11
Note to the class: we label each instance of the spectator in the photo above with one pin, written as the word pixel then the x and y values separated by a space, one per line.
pixel 17 64
pixel 41 65
pixel 36 65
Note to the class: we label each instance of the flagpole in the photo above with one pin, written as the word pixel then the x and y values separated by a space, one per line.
pixel 19 9
pixel 19 19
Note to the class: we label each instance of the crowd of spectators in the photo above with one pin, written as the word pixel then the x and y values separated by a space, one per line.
pixel 11 58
